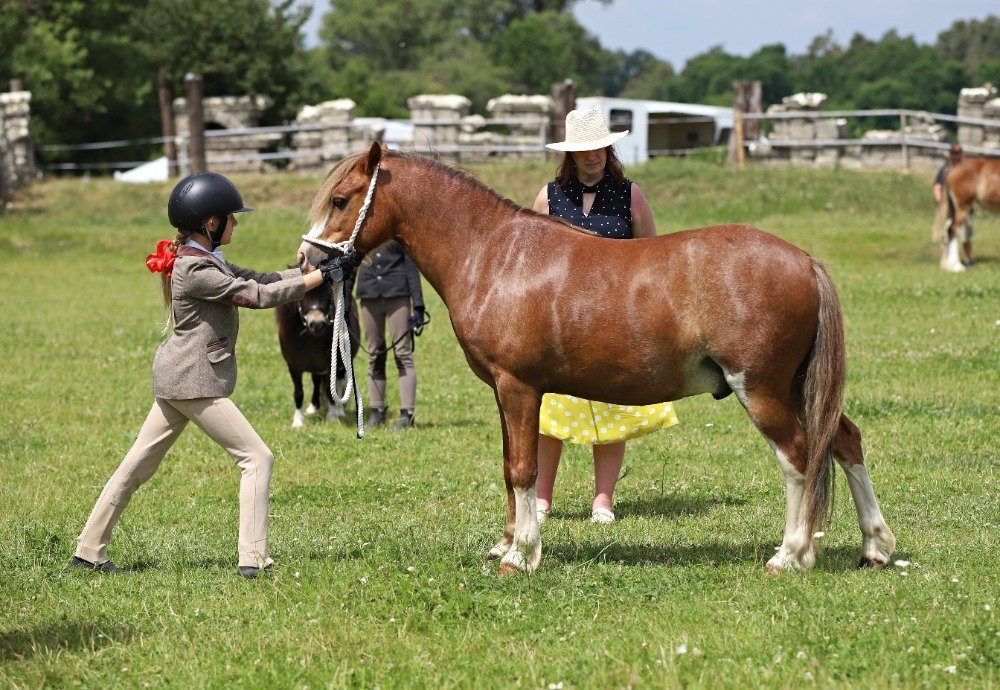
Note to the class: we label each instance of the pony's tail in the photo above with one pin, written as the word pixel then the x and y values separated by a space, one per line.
pixel 823 394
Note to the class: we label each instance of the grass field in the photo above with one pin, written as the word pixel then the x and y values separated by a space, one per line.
pixel 380 542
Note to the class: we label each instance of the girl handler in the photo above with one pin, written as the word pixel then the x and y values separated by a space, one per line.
pixel 194 370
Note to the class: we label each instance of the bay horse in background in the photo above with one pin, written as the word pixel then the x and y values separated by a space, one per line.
pixel 305 334
pixel 974 180
pixel 539 306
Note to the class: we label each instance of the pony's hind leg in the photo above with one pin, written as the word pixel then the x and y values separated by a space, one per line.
pixel 780 427
pixel 335 409
pixel 878 542
pixel 314 403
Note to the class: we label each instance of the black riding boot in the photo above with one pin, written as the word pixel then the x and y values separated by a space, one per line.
pixel 405 420
pixel 376 417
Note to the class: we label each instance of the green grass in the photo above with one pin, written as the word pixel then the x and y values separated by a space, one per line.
pixel 380 542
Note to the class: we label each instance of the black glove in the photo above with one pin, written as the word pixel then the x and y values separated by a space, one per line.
pixel 340 268
pixel 417 318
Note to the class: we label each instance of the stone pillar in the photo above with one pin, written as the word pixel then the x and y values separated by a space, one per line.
pixel 972 103
pixel 991 135
pixel 804 129
pixel 17 153
pixel 527 119
pixel 437 121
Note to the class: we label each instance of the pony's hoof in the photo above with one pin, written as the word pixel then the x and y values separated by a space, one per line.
pixel 499 550
pixel 298 420
pixel 870 563
pixel 311 410
pixel 506 569
pixel 873 563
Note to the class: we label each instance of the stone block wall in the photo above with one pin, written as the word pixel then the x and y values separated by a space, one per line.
pixel 17 157
pixel 442 125
pixel 333 134
pixel 980 102
pixel 229 112
pixel 877 149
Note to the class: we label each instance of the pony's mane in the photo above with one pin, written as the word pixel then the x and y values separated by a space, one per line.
pixel 462 176
pixel 471 180
pixel 319 207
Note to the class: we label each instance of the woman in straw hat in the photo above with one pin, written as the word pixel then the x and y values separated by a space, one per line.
pixel 591 191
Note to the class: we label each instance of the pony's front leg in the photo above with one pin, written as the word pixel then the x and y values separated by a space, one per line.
pixel 519 406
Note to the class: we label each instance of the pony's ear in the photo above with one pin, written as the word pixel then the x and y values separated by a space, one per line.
pixel 374 156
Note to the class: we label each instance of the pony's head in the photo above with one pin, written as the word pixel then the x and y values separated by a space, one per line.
pixel 338 206
pixel 316 310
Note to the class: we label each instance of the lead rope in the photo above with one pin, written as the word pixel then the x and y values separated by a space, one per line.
pixel 341 336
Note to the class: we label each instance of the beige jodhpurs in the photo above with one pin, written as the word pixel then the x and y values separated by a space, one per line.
pixel 222 421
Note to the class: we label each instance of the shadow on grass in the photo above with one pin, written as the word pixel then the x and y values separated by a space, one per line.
pixel 61 637
pixel 838 559
pixel 661 506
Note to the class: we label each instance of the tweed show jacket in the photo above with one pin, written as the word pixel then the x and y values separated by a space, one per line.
pixel 198 358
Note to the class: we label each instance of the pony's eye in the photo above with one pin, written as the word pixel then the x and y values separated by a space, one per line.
pixel 339 202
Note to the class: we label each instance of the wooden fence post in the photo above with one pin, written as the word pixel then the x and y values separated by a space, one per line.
pixel 902 134
pixel 165 93
pixel 564 97
pixel 746 99
pixel 194 87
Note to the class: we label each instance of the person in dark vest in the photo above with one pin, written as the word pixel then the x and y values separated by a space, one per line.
pixel 389 292
pixel 194 370
pixel 591 191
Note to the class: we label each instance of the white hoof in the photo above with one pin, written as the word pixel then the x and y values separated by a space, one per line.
pixel 298 420
pixel 786 560
pixel 335 412
pixel 876 552
pixel 311 410
pixel 499 550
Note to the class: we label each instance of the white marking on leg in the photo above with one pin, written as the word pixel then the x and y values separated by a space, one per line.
pixel 526 549
pixel 335 411
pixel 878 541
pixel 298 419
pixel 796 551
pixel 311 410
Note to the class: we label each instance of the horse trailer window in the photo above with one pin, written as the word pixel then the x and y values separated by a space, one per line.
pixel 621 120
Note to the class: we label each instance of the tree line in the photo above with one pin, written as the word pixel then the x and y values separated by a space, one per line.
pixel 92 67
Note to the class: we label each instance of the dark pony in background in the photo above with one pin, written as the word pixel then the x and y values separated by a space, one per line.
pixel 538 307
pixel 305 334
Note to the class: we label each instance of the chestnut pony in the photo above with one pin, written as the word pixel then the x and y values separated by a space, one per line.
pixel 974 180
pixel 539 306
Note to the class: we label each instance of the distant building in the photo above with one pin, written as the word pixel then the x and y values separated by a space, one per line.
pixel 662 128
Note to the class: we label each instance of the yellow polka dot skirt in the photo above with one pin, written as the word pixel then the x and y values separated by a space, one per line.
pixel 589 422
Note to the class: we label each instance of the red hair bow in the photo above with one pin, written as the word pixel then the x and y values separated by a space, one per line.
pixel 162 260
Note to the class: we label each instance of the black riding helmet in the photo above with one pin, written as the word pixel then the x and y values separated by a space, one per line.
pixel 200 196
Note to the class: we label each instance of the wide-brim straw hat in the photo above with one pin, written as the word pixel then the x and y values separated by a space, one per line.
pixel 586 130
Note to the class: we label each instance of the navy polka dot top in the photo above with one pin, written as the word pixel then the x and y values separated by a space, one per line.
pixel 610 215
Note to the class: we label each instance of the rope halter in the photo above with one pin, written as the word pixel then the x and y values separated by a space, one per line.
pixel 341 336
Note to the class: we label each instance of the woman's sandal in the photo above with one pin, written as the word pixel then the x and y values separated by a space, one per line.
pixel 602 516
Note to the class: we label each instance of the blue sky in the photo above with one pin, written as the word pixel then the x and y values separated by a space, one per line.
pixel 678 30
